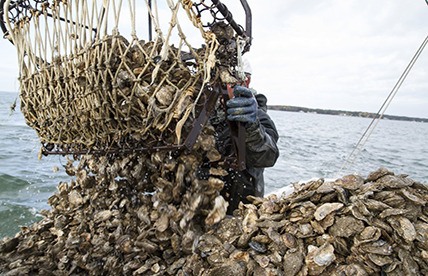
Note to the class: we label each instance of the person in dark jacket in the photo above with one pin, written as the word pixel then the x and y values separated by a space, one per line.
pixel 250 109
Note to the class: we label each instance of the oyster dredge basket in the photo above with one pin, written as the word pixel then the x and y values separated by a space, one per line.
pixel 115 76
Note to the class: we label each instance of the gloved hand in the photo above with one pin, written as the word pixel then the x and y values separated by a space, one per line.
pixel 243 107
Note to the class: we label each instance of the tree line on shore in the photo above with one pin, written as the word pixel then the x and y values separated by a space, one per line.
pixel 344 113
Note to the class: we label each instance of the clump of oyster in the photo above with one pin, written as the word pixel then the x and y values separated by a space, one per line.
pixel 140 216
pixel 114 94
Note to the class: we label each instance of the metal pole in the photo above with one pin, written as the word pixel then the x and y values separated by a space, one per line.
pixel 228 16
pixel 248 18
pixel 150 21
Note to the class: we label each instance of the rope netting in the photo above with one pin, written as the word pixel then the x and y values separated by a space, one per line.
pixel 93 79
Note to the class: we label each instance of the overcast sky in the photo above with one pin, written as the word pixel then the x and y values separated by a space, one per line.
pixel 341 54
pixel 332 54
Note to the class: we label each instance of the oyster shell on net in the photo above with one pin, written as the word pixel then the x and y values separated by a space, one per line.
pixel 165 95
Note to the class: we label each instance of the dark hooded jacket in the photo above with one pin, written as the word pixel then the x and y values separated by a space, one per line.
pixel 261 152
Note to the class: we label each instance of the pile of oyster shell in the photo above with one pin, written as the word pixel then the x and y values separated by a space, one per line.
pixel 136 213
pixel 153 215
pixel 351 226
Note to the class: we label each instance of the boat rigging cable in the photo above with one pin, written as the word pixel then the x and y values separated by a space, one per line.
pixel 361 143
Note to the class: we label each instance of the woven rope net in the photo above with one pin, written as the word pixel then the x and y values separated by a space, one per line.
pixel 91 78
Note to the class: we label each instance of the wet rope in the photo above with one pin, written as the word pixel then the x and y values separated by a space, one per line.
pixel 367 133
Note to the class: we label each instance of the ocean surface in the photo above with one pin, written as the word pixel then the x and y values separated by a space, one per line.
pixel 311 145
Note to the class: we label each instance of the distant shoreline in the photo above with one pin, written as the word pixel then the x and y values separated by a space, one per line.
pixel 343 113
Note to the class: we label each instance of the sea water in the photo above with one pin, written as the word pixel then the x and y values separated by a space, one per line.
pixel 311 146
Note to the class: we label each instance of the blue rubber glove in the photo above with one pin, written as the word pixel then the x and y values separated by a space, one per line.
pixel 243 107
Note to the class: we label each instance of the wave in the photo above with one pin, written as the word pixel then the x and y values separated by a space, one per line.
pixel 11 183
pixel 12 216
